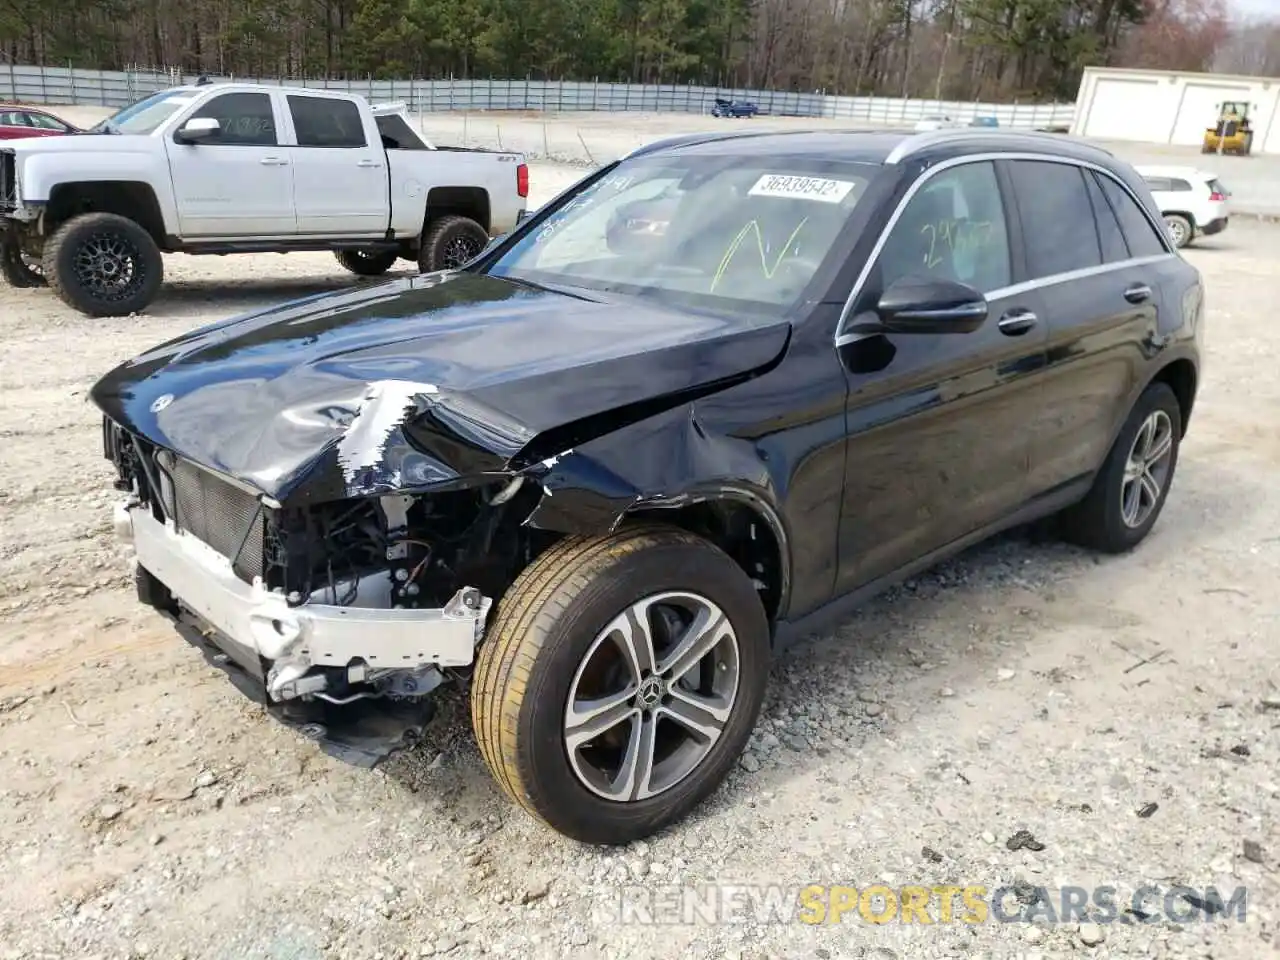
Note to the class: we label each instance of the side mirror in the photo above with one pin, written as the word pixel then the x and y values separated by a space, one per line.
pixel 920 305
pixel 198 129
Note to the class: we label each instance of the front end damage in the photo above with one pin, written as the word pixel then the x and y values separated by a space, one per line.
pixel 343 617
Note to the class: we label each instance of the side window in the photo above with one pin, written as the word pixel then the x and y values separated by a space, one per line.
pixel 13 118
pixel 326 122
pixel 245 119
pixel 953 229
pixel 44 123
pixel 1114 248
pixel 1180 186
pixel 1052 201
pixel 1141 236
pixel 1159 184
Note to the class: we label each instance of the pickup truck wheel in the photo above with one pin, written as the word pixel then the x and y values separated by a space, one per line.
pixel 20 269
pixel 450 242
pixel 620 680
pixel 103 265
pixel 367 263
pixel 1130 490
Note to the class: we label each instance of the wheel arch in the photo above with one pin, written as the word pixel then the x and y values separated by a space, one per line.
pixel 471 202
pixel 743 524
pixel 132 199
pixel 1181 375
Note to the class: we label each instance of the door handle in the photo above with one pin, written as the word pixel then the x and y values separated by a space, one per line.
pixel 1017 322
pixel 368 163
pixel 273 161
pixel 1138 293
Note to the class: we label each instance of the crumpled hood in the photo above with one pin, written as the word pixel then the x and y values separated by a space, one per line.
pixel 417 382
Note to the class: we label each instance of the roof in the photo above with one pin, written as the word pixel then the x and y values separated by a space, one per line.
pixel 880 146
pixel 1156 170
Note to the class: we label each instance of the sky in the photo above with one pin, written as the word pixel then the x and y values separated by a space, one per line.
pixel 1256 6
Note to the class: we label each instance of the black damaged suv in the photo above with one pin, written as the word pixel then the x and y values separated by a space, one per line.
pixel 698 405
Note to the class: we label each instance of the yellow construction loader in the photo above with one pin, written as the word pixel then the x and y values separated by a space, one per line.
pixel 1232 133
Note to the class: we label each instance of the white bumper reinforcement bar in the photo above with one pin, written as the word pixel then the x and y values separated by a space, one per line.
pixel 316 634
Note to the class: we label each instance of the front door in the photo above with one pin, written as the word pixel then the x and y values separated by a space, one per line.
pixel 238 183
pixel 939 424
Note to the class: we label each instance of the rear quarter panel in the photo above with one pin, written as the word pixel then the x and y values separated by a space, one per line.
pixel 414 173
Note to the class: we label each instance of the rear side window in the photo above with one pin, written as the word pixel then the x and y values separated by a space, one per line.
pixel 1058 231
pixel 1110 235
pixel 1159 184
pixel 1179 186
pixel 398 135
pixel 1138 232
pixel 326 122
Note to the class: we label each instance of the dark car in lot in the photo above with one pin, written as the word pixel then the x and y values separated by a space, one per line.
pixel 698 406
pixel 734 108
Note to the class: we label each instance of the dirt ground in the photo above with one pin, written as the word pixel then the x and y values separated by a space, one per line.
pixel 1121 710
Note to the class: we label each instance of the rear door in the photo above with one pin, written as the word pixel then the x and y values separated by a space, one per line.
pixel 1096 261
pixel 340 177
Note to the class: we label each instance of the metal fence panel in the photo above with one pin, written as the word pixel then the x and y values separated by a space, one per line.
pixel 54 85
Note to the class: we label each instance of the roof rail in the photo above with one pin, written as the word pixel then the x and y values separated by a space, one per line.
pixel 919 141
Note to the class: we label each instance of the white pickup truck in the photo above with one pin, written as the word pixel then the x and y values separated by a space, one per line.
pixel 243 168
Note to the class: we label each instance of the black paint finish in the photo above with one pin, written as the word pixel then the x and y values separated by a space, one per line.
pixel 863 459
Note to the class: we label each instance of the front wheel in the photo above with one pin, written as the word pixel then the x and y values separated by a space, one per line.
pixel 20 269
pixel 450 242
pixel 103 265
pixel 367 263
pixel 620 681
pixel 1130 490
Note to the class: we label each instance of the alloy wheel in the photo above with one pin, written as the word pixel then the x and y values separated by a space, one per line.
pixel 651 696
pixel 1146 470
pixel 107 265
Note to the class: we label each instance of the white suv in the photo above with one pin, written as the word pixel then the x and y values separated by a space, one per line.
pixel 1193 202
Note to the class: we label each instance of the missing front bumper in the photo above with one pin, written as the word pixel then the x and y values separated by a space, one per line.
pixel 279 643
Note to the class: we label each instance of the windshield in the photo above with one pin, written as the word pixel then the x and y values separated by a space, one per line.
pixel 145 116
pixel 718 232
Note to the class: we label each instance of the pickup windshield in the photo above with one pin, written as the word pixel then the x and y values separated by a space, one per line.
pixel 723 233
pixel 145 116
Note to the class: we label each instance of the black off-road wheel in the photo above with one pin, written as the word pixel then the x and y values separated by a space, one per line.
pixel 367 263
pixel 1130 490
pixel 20 269
pixel 103 265
pixel 450 242
pixel 620 680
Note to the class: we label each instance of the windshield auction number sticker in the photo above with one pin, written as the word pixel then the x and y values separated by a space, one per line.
pixel 801 188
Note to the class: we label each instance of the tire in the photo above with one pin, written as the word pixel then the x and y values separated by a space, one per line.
pixel 20 270
pixel 78 255
pixel 1181 229
pixel 367 263
pixel 450 242
pixel 548 638
pixel 1099 521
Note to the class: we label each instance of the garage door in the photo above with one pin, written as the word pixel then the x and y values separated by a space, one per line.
pixel 1199 109
pixel 1126 110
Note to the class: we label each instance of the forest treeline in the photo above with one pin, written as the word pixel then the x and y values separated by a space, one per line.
pixel 948 49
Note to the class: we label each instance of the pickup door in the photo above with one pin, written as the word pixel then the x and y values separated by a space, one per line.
pixel 340 173
pixel 239 183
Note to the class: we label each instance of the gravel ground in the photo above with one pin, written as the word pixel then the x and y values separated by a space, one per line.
pixel 1122 711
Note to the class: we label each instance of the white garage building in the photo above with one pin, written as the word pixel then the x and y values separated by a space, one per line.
pixel 1154 106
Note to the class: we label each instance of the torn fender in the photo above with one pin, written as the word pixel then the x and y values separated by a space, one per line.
pixel 666 462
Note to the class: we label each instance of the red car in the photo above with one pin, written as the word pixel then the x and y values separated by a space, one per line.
pixel 21 121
